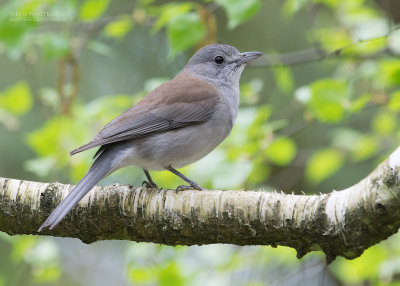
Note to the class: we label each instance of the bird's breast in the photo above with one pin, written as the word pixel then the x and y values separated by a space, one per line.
pixel 182 146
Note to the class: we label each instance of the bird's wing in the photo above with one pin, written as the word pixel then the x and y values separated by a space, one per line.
pixel 191 101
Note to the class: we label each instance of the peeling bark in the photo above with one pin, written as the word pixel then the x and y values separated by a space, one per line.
pixel 341 223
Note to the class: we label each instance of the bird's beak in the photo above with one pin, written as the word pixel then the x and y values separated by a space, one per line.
pixel 248 56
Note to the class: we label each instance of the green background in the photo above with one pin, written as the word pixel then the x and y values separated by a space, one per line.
pixel 307 127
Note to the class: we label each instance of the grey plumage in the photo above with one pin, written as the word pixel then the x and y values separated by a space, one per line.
pixel 100 168
pixel 176 124
pixel 149 116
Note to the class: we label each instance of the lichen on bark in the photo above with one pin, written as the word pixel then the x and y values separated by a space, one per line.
pixel 341 223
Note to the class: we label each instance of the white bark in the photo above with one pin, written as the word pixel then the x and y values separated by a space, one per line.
pixel 339 223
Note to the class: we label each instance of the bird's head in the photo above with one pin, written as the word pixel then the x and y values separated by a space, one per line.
pixel 220 62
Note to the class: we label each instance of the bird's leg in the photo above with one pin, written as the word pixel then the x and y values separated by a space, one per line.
pixel 193 184
pixel 149 183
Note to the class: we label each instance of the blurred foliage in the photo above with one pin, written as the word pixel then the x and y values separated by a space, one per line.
pixel 92 9
pixel 239 11
pixel 315 127
pixel 20 93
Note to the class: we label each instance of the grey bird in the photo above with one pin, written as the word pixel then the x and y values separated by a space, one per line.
pixel 176 124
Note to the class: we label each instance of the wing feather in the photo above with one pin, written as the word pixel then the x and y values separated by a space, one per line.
pixel 191 101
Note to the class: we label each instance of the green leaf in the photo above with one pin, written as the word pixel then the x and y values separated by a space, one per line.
pixel 239 11
pixel 61 134
pixel 366 48
pixel 291 7
pixel 56 138
pixel 394 101
pixel 364 148
pixel 364 268
pixel 184 32
pixel 54 45
pixel 119 28
pixel 142 275
pixel 328 99
pixel 16 99
pixel 390 72
pixel 261 171
pixel 284 78
pixel 45 141
pixel 22 246
pixel 281 151
pixel 323 164
pixel 47 274
pixel 79 166
pixel 93 9
pixel 384 123
pixel 332 38
pixel 170 276
pixel 359 103
pixel 171 11
pixel 107 108
pixel 13 31
pixel 259 127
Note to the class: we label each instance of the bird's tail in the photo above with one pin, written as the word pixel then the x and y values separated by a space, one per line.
pixel 100 168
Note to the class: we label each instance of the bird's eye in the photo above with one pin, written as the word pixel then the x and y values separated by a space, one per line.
pixel 219 60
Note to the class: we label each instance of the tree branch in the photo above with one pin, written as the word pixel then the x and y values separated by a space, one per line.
pixel 315 54
pixel 318 54
pixel 341 223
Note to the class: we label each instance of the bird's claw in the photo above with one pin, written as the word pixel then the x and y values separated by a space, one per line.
pixel 149 185
pixel 191 187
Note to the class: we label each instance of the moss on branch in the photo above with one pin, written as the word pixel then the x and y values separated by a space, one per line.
pixel 341 223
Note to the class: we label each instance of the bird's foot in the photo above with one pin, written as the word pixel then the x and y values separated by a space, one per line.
pixel 149 185
pixel 191 187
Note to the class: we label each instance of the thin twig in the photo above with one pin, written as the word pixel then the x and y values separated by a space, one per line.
pixel 318 54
